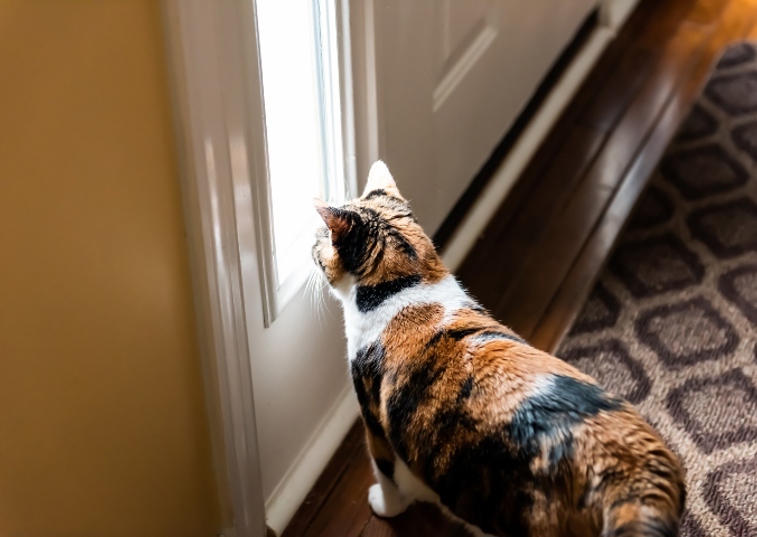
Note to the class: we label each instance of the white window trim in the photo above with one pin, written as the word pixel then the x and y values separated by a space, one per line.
pixel 337 167
pixel 218 115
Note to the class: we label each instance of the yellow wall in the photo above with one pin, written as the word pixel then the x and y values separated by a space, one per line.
pixel 102 420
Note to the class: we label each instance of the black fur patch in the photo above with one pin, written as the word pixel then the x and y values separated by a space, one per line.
pixel 385 467
pixel 405 401
pixel 375 193
pixel 435 338
pixel 355 246
pixel 380 229
pixel 466 389
pixel 369 297
pixel 451 419
pixel 401 241
pixel 367 375
pixel 552 413
pixel 459 334
pixel 488 485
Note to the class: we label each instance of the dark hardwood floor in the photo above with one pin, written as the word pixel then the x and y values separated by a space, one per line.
pixel 538 258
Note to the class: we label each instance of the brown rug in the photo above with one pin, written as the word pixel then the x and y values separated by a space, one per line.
pixel 672 322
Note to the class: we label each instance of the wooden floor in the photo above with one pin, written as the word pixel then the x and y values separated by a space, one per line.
pixel 538 258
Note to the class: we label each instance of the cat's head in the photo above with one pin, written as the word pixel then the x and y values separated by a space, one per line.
pixel 374 238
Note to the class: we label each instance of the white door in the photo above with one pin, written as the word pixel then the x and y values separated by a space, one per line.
pixel 451 77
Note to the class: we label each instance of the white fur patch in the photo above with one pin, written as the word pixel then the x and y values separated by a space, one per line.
pixel 344 287
pixel 479 340
pixel 410 486
pixel 364 328
pixel 543 384
pixel 385 498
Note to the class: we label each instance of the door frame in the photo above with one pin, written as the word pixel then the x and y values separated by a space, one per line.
pixel 212 60
pixel 215 83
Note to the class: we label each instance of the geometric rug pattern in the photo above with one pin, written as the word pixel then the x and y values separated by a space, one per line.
pixel 671 324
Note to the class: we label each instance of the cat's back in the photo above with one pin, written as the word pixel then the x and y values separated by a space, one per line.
pixel 505 434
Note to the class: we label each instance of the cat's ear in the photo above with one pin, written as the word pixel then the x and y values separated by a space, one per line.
pixel 379 178
pixel 339 221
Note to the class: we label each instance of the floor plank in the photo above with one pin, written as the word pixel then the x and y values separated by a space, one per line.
pixel 626 82
pixel 419 520
pixel 568 228
pixel 347 511
pixel 349 461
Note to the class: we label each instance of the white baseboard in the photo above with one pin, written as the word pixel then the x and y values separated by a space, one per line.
pixel 302 475
pixel 504 178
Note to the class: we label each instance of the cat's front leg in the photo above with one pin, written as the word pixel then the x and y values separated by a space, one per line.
pixel 384 497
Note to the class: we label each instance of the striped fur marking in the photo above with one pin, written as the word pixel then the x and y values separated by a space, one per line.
pixel 490 335
pixel 367 374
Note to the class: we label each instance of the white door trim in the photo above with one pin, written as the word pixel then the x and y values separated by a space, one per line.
pixel 212 59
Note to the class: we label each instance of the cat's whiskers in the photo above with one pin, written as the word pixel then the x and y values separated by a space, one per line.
pixel 310 287
pixel 314 291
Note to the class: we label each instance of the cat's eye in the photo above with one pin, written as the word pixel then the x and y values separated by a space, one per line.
pixel 304 128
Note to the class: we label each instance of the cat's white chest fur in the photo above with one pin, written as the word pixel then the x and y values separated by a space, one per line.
pixel 363 328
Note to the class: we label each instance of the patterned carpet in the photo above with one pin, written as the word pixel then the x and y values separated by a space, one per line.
pixel 672 322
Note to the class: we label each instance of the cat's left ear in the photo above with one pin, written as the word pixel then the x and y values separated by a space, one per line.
pixel 379 178
pixel 339 221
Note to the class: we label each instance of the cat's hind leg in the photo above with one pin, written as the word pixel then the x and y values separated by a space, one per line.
pixel 385 498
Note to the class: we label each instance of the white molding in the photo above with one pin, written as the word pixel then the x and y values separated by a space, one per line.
pixel 304 472
pixel 614 13
pixel 212 62
pixel 365 90
pixel 463 65
pixel 349 142
pixel 528 143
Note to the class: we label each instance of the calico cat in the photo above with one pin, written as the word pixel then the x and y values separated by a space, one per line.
pixel 459 410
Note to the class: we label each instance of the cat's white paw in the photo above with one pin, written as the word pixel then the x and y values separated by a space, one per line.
pixel 386 505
